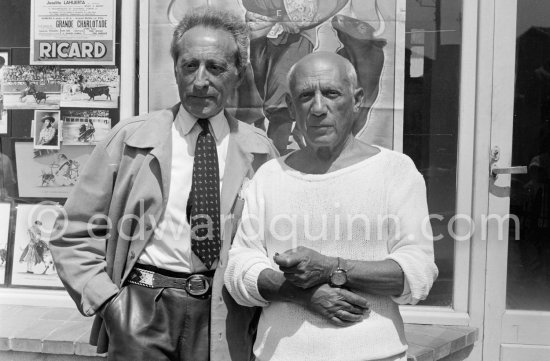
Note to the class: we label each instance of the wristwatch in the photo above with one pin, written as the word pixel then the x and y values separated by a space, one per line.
pixel 339 277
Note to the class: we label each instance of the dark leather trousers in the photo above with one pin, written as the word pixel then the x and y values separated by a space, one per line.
pixel 156 324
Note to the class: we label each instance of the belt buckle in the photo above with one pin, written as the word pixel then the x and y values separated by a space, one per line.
pixel 197 285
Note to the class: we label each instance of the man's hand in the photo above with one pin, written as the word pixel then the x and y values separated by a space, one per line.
pixel 340 306
pixel 305 267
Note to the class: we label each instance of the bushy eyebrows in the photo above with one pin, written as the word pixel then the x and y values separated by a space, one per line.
pixel 313 86
pixel 219 60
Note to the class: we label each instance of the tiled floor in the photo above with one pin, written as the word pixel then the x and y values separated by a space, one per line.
pixel 59 331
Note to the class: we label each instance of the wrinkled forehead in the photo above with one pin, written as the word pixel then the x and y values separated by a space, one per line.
pixel 321 76
pixel 199 39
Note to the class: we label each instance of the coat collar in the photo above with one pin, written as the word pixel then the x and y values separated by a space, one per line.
pixel 156 132
pixel 185 122
pixel 156 129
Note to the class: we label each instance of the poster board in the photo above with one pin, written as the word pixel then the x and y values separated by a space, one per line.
pixel 32 261
pixel 385 21
pixel 85 126
pixel 46 129
pixel 49 174
pixel 73 32
pixel 30 87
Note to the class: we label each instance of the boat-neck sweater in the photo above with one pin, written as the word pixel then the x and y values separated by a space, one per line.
pixel 340 213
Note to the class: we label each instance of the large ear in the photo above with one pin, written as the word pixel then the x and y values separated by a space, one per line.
pixel 290 106
pixel 358 97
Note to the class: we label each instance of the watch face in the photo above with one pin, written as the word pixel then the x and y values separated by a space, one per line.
pixel 339 278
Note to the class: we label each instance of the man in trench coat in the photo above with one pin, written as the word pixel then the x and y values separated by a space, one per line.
pixel 123 194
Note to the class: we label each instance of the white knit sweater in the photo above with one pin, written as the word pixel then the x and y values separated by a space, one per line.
pixel 337 214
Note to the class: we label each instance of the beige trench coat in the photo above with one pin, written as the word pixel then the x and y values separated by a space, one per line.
pixel 129 174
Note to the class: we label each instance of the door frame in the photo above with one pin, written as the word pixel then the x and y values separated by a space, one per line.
pixel 506 332
pixel 482 146
pixel 501 127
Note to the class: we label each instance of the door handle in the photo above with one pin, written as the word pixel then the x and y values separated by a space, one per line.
pixel 495 171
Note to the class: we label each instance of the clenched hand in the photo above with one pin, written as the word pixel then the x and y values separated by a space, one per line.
pixel 305 267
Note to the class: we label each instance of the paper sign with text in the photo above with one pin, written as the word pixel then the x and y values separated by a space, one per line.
pixel 73 32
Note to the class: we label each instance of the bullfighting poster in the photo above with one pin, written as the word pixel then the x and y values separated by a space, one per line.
pixel 85 126
pixel 32 263
pixel 89 87
pixel 4 234
pixel 31 87
pixel 49 173
pixel 73 32
pixel 369 33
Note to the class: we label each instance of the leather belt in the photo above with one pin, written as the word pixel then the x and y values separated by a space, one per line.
pixel 196 284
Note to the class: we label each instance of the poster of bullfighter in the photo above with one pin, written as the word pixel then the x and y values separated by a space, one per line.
pixel 51 174
pixel 46 129
pixel 32 264
pixel 90 87
pixel 85 126
pixel 369 33
pixel 31 87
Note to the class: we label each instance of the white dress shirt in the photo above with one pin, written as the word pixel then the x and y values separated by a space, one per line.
pixel 170 248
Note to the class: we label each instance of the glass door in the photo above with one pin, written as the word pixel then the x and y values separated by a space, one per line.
pixel 517 299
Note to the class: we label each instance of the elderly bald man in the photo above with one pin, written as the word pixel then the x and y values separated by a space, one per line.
pixel 335 235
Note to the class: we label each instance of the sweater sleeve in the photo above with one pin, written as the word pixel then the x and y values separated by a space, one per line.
pixel 411 241
pixel 248 255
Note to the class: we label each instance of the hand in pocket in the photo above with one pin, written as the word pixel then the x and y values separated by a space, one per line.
pixel 111 311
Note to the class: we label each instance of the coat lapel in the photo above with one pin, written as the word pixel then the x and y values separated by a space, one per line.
pixel 237 164
pixel 244 144
pixel 158 135
pixel 163 153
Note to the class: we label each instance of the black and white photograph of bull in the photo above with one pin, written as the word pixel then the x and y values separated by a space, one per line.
pixel 97 91
pixel 90 87
pixel 31 87
pixel 39 97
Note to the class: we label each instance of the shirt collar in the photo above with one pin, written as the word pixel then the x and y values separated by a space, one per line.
pixel 218 123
